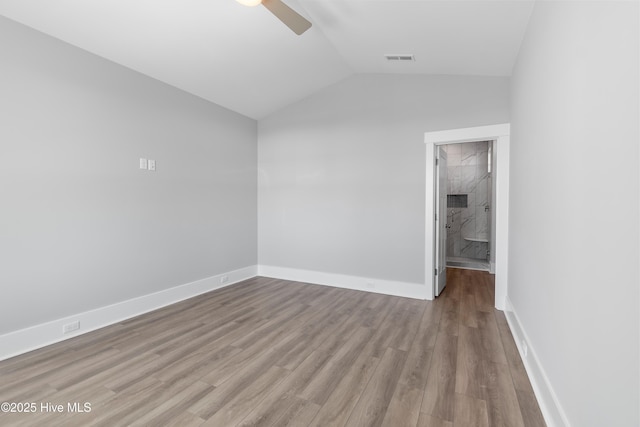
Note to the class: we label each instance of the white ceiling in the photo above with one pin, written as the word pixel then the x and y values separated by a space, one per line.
pixel 246 60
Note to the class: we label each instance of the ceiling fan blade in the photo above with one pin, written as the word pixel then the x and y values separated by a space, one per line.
pixel 288 16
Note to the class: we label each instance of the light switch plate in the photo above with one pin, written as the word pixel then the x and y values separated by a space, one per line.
pixel 143 163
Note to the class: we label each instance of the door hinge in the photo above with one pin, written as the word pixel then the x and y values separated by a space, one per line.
pixel 435 272
pixel 436 216
pixel 437 161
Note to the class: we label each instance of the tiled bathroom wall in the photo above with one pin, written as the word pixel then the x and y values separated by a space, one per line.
pixel 468 174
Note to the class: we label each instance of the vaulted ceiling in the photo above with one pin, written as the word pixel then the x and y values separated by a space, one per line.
pixel 246 60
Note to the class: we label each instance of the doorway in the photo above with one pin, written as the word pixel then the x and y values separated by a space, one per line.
pixel 469 205
pixel 499 135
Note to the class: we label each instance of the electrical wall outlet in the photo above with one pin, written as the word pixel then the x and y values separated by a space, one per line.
pixel 224 279
pixel 525 348
pixel 370 285
pixel 152 165
pixel 70 327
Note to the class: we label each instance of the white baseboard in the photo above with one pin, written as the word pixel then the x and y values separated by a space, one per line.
pixel 24 340
pixel 387 287
pixel 550 406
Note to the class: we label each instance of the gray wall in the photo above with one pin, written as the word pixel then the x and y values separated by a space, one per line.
pixel 342 173
pixel 80 225
pixel 573 251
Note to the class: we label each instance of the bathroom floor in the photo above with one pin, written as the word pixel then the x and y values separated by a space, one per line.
pixel 468 263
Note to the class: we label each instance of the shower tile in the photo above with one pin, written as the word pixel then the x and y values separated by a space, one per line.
pixel 482 192
pixel 451 185
pixel 482 222
pixel 482 158
pixel 471 202
pixel 481 172
pixel 468 156
pixel 468 250
pixel 482 200
pixel 468 160
pixel 481 250
pixel 468 179
pixel 454 148
pixel 453 181
pixel 482 153
pixel 467 213
pixel 456 226
pixel 455 186
pixel 457 247
pixel 455 221
pixel 453 159
pixel 468 227
pixel 454 172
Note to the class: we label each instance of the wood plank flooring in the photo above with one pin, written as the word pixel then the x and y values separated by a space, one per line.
pixel 268 352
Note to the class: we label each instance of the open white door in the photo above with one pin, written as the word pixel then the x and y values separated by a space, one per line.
pixel 441 220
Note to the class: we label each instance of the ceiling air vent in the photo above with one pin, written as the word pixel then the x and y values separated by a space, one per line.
pixel 400 57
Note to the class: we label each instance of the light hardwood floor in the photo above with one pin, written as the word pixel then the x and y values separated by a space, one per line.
pixel 276 353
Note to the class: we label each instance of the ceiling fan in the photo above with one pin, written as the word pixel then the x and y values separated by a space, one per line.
pixel 288 16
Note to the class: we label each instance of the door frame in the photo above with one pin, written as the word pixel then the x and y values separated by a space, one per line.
pixel 500 135
pixel 440 254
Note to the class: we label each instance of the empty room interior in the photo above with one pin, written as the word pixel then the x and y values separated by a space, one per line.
pixel 320 213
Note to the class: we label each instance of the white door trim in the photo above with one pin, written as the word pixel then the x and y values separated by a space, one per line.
pixel 500 134
pixel 441 189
